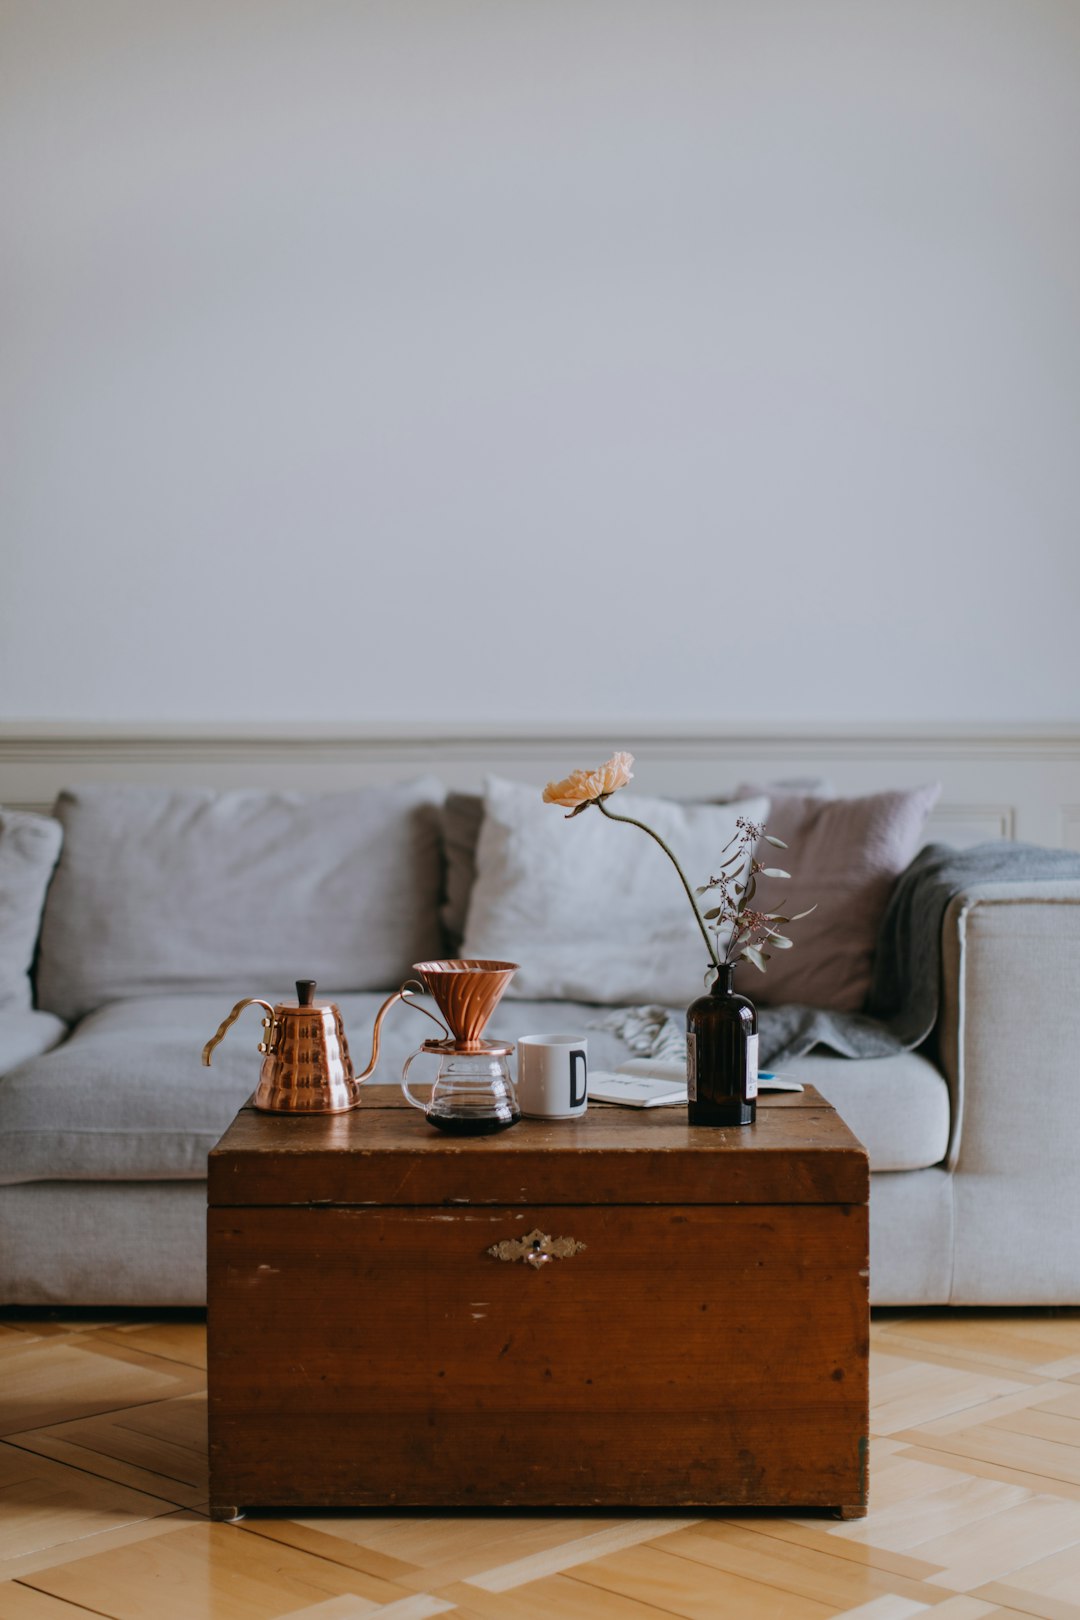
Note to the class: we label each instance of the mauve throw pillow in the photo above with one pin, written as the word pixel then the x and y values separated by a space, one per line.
pixel 29 846
pixel 844 856
pixel 594 911
pixel 176 890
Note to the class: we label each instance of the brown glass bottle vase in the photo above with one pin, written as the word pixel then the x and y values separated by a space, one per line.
pixel 721 1055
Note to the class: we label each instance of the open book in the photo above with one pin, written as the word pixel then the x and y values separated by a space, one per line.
pixel 653 1083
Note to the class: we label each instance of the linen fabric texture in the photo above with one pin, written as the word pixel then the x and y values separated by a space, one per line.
pixel 594 911
pixel 844 856
pixel 163 890
pixel 103 1243
pixel 29 847
pixel 26 1033
pixel 127 1099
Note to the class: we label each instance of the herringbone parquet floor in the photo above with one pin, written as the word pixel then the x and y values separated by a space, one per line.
pixel 975 1504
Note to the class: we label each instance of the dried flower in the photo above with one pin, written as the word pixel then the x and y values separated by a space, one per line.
pixel 582 788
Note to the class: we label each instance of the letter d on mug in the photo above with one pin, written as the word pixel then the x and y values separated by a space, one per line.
pixel 553 1076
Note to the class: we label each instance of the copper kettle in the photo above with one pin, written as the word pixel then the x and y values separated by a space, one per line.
pixel 306 1064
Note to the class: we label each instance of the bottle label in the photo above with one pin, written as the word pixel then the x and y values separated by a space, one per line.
pixel 751 1067
pixel 691 1067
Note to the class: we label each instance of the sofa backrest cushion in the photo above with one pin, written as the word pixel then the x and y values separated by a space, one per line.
pixel 594 911
pixel 29 846
pixel 844 856
pixel 165 890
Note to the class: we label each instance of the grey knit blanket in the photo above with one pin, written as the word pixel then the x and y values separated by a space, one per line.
pixel 902 1008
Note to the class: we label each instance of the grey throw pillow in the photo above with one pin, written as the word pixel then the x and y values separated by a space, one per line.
pixel 463 816
pixel 163 890
pixel 29 846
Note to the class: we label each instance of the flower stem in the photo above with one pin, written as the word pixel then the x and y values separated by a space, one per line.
pixel 630 822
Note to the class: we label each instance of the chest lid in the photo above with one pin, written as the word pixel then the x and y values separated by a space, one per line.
pixel 385 1154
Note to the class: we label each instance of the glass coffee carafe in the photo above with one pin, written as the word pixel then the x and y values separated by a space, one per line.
pixel 472 1094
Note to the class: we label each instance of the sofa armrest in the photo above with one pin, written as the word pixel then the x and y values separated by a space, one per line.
pixel 1009 1029
pixel 25 1033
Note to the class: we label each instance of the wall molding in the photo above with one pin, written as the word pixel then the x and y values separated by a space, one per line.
pixel 24 742
pixel 1019 781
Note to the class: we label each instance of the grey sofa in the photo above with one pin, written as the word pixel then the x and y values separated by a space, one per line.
pixel 106 1114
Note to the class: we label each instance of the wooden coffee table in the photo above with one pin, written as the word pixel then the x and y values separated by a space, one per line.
pixel 620 1310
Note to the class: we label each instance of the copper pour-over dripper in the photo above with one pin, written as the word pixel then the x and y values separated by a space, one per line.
pixel 467 991
pixel 472 1093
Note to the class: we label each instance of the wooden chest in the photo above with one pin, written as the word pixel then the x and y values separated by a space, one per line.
pixel 620 1310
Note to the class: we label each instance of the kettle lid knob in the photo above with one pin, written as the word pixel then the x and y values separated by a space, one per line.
pixel 305 992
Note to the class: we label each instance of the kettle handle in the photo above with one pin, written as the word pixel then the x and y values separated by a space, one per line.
pixel 269 1026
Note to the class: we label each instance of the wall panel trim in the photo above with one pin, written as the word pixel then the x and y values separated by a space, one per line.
pixel 1018 781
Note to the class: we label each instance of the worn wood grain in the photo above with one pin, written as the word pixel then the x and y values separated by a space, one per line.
pixel 377 1339
pixel 684 1356
pixel 386 1154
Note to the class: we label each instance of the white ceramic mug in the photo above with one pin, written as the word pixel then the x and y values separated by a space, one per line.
pixel 553 1076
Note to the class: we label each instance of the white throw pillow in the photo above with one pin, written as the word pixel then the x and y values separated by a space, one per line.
pixel 594 911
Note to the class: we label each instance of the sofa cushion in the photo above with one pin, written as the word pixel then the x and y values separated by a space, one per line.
pixel 898 1107
pixel 595 909
pixel 29 846
pixel 126 1098
pixel 163 890
pixel 844 856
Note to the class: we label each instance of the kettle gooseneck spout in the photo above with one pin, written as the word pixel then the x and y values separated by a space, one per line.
pixel 405 994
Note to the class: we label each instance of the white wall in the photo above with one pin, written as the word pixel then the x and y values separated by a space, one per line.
pixel 540 360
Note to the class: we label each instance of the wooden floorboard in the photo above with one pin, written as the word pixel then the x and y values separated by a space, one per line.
pixel 975 1502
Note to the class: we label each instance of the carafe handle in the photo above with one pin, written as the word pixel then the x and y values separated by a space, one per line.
pixel 407 990
pixel 269 1025
pixel 409 1098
